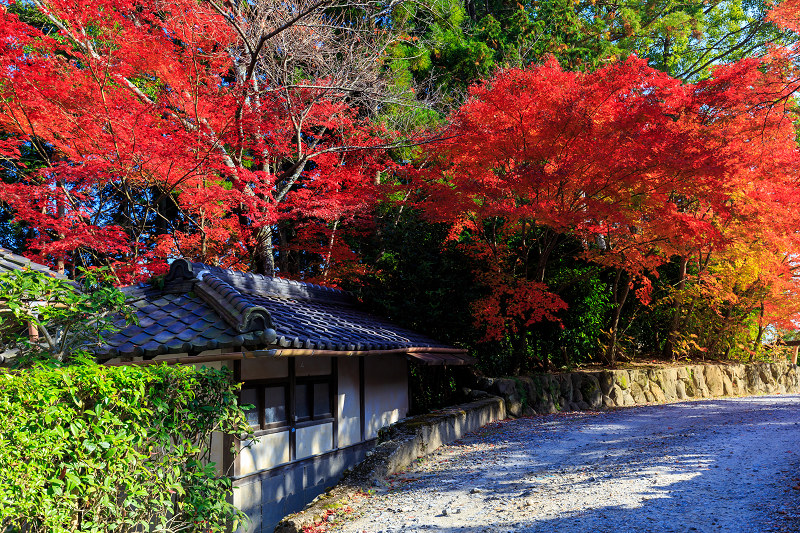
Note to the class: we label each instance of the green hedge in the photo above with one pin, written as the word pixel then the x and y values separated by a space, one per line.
pixel 101 449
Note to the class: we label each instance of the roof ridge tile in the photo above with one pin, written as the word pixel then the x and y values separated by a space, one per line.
pixel 263 285
pixel 224 309
pixel 232 305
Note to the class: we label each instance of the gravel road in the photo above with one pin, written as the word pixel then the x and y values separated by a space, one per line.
pixel 709 466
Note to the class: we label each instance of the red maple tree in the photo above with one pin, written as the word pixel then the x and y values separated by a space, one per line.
pixel 159 136
pixel 626 161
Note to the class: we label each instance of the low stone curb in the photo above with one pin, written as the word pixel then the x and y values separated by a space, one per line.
pixel 603 389
pixel 398 446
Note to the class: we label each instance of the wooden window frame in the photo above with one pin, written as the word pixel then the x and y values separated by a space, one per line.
pixel 230 460
pixel 260 385
pixel 292 422
pixel 309 382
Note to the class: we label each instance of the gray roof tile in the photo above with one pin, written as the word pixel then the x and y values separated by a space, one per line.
pixel 230 310
pixel 10 261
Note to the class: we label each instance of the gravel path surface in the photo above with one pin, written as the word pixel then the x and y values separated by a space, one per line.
pixel 706 466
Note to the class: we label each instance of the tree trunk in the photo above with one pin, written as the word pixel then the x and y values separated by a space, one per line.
pixel 60 266
pixel 551 240
pixel 283 243
pixel 263 257
pixel 668 352
pixel 328 256
pixel 469 6
pixel 760 335
pixel 619 302
pixel 519 353
pixel 717 337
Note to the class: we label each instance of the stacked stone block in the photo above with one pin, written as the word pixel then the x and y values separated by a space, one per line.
pixel 578 391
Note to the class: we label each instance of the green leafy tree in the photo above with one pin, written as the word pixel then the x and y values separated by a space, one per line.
pixel 88 447
pixel 49 318
pixel 413 276
pixel 457 45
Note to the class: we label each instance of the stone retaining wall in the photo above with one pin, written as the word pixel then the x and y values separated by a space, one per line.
pixel 550 393
pixel 398 445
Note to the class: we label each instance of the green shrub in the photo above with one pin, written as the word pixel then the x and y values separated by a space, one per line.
pixel 72 318
pixel 95 448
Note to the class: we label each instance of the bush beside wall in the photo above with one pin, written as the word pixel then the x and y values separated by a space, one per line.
pixel 102 449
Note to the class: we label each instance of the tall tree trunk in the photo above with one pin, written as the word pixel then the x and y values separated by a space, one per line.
pixel 519 353
pixel 620 296
pixel 668 352
pixel 717 337
pixel 330 250
pixel 60 266
pixel 550 242
pixel 667 53
pixel 469 6
pixel 760 335
pixel 203 239
pixel 283 257
pixel 263 254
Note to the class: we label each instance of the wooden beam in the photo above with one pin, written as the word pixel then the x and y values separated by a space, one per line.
pixel 290 410
pixel 334 396
pixel 285 352
pixel 33 332
pixel 362 406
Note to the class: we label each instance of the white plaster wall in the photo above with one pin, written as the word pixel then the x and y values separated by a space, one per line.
pixel 313 440
pixel 265 368
pixel 312 366
pixel 386 391
pixel 217 453
pixel 264 452
pixel 215 351
pixel 349 407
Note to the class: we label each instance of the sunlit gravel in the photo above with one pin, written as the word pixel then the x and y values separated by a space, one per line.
pixel 727 465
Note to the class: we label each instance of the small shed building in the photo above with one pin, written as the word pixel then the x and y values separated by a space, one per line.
pixel 322 374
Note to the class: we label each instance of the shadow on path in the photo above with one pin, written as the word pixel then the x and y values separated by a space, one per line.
pixel 707 466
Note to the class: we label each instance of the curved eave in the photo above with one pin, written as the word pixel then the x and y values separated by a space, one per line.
pixel 422 355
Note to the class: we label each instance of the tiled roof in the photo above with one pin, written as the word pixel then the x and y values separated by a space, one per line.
pixel 202 307
pixel 10 261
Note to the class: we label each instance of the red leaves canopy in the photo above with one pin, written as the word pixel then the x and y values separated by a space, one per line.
pixel 155 146
pixel 625 160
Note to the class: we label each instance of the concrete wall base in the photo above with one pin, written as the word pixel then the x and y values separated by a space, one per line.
pixel 266 497
pixel 399 445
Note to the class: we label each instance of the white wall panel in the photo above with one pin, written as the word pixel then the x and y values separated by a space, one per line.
pixel 386 386
pixel 349 406
pixel 312 366
pixel 265 368
pixel 312 440
pixel 266 452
